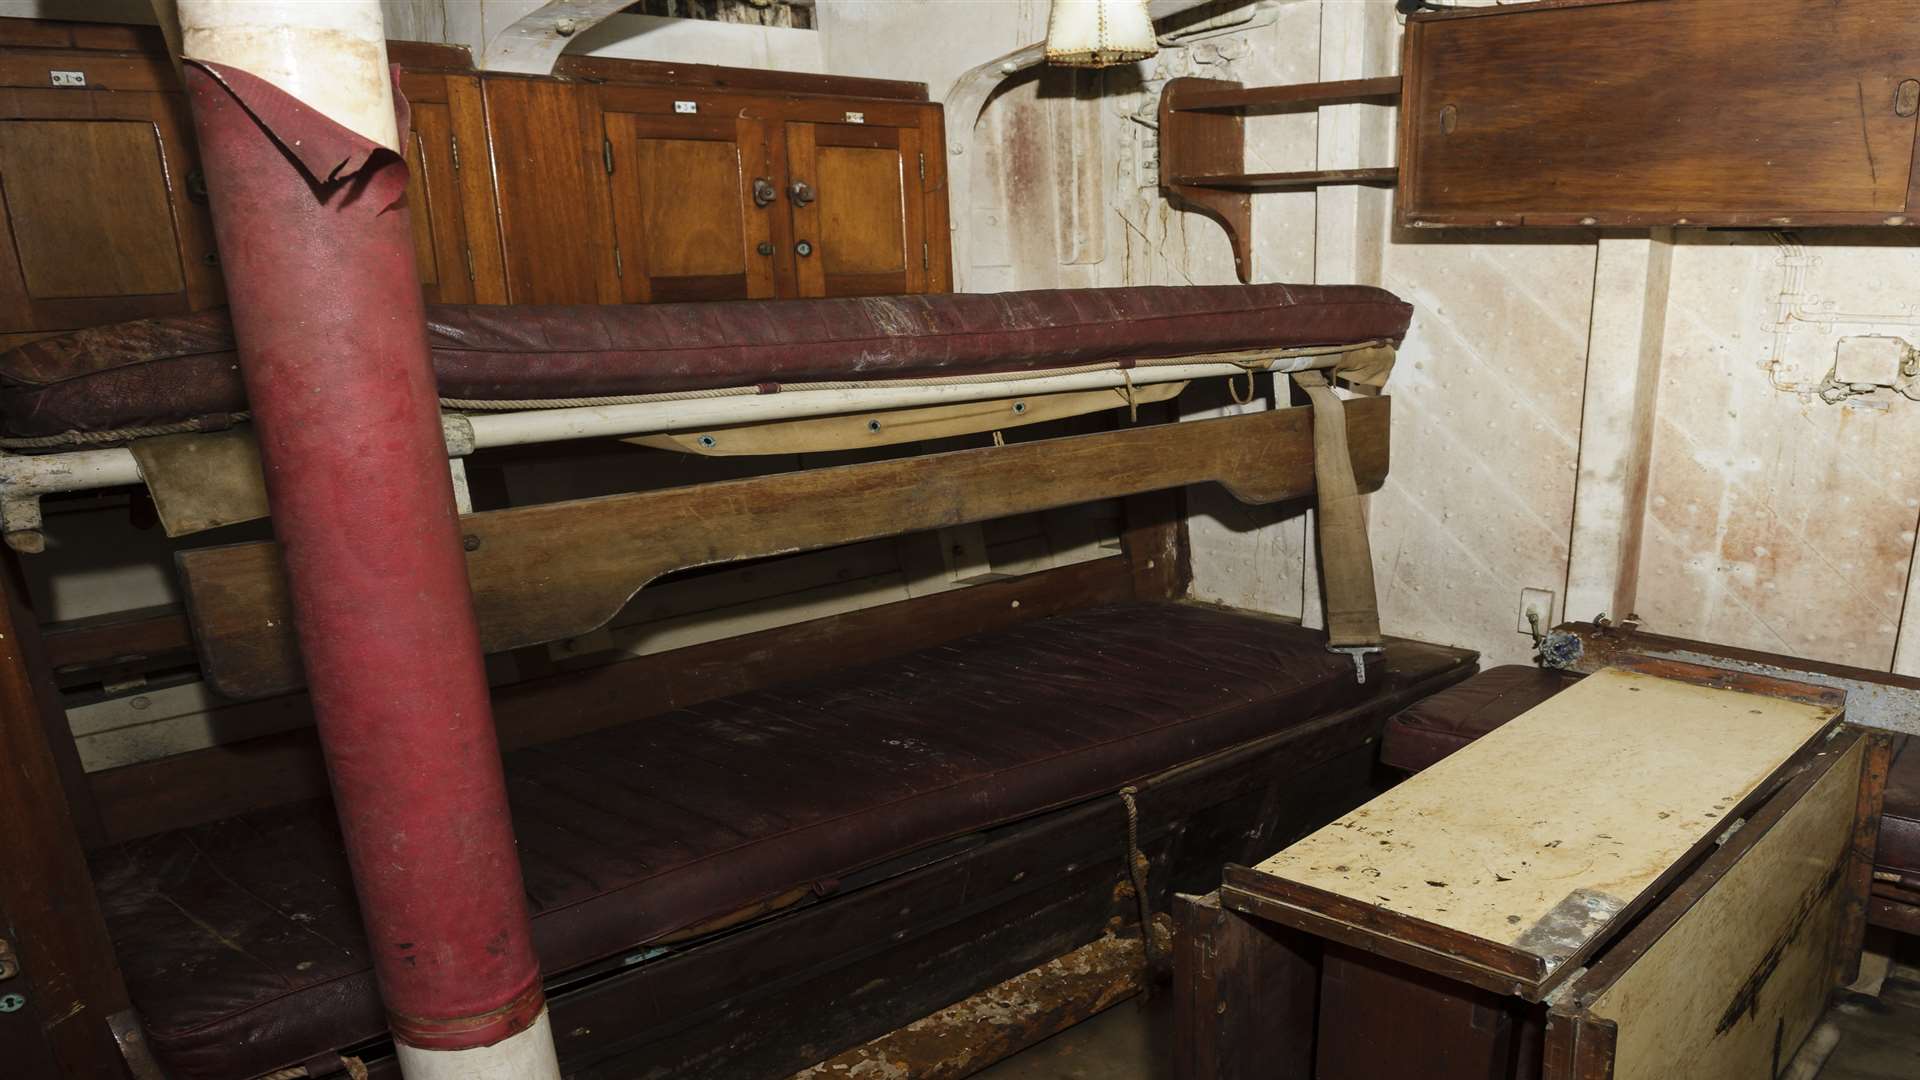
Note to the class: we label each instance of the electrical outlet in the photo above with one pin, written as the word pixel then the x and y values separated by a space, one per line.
pixel 1538 600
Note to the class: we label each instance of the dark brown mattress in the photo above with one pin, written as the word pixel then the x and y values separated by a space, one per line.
pixel 159 371
pixel 242 945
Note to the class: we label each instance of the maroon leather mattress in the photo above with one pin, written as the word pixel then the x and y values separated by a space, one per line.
pixel 158 371
pixel 242 945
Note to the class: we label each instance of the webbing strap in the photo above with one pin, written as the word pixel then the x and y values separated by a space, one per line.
pixel 1346 559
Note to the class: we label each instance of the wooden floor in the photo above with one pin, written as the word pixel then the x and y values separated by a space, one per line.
pixel 1879 1039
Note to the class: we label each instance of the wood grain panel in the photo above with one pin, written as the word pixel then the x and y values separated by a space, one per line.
pixel 683 208
pixel 594 554
pixel 434 201
pixel 1659 111
pixel 88 201
pixel 555 223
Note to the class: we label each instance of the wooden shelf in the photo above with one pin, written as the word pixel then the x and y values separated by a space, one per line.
pixel 1301 96
pixel 1203 148
pixel 1289 181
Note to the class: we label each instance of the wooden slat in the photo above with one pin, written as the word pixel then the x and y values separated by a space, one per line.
pixel 542 573
pixel 1382 91
pixel 1288 181
pixel 68 976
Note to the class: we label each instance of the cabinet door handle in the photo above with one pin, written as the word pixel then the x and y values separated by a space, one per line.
pixel 763 191
pixel 801 193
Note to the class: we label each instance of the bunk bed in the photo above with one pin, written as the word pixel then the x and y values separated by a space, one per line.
pixel 745 875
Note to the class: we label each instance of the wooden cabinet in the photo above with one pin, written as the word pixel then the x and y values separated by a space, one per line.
pixel 99 188
pixel 615 182
pixel 1662 112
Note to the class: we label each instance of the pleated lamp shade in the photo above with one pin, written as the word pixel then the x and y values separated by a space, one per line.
pixel 1099 33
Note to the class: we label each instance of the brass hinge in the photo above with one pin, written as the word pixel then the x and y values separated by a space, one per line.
pixel 924 259
pixel 471 276
pixel 606 154
pixel 923 167
pixel 619 268
pixel 454 141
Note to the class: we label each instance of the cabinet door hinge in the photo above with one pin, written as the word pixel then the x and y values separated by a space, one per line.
pixel 619 268
pixel 471 276
pixel 606 154
pixel 925 259
pixel 454 141
pixel 923 167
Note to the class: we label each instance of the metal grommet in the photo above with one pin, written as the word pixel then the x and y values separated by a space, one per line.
pixel 709 441
pixel 1019 406
pixel 873 425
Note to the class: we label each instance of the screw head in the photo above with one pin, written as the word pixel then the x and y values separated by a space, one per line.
pixel 470 542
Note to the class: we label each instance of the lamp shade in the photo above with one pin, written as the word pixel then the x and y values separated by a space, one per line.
pixel 1099 33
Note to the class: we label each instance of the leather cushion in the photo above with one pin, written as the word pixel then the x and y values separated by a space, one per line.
pixel 1430 729
pixel 241 942
pixel 1899 851
pixel 182 367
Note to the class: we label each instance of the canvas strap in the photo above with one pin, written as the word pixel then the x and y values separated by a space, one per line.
pixel 1346 559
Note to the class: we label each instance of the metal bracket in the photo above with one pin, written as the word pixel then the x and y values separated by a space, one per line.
pixel 1360 653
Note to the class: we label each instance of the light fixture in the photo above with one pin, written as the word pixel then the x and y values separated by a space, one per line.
pixel 1099 33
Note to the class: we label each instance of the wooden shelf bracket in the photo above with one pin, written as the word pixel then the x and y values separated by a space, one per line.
pixel 1203 147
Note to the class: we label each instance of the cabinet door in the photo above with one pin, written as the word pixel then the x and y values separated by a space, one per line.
pixel 859 215
pixel 101 226
pixel 440 252
pixel 687 221
pixel 556 228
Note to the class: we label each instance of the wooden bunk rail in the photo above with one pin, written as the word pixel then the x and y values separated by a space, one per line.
pixel 546 573
pixel 1302 96
pixel 1290 181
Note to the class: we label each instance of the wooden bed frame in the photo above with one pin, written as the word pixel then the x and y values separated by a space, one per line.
pixel 62 964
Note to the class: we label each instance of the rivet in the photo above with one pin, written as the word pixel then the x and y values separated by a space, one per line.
pixel 470 542
pixel 1016 603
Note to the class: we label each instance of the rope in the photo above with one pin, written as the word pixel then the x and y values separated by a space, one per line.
pixel 1137 870
pixel 1133 403
pixel 1234 391
pixel 115 435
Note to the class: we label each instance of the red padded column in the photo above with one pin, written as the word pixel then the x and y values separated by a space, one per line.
pixel 318 258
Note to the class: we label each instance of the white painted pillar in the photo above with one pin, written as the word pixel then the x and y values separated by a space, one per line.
pixel 1630 284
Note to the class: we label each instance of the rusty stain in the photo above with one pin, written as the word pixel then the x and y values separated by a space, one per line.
pixel 969 1035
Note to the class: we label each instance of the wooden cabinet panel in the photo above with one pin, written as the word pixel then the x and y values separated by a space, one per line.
pixel 1638 112
pixel 434 201
pixel 685 216
pixel 101 224
pixel 862 222
pixel 556 227
pixel 88 203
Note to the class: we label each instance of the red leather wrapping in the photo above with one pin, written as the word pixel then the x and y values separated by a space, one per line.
pixel 1899 851
pixel 162 370
pixel 243 952
pixel 328 323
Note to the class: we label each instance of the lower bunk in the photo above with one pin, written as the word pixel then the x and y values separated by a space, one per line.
pixel 749 886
